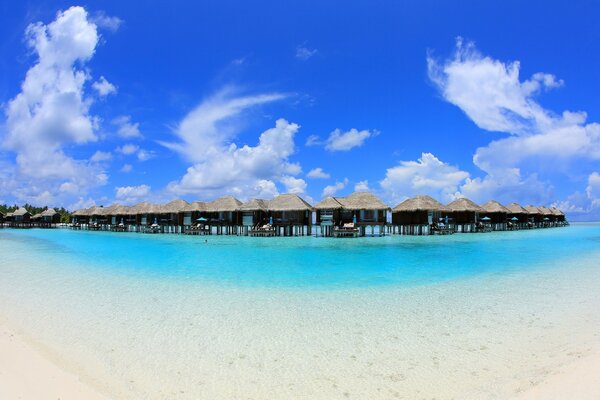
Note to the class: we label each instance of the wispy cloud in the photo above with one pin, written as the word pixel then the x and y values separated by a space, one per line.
pixel 304 53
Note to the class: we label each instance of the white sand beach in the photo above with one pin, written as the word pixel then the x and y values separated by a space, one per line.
pixel 26 374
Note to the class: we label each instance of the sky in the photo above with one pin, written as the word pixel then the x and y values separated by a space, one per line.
pixel 113 101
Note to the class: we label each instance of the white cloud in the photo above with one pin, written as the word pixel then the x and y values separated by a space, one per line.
pixel 318 173
pixel 128 149
pixel 330 190
pixel 362 186
pixel 51 111
pixel 304 53
pixel 101 156
pixel 492 95
pixel 104 87
pixel 126 168
pixel 344 141
pixel 144 155
pixel 427 175
pixel 294 185
pixel 213 124
pixel 313 140
pixel 247 171
pixel 132 194
pixel 127 129
pixel 105 21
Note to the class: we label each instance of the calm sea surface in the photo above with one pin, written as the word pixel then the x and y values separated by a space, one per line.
pixel 225 317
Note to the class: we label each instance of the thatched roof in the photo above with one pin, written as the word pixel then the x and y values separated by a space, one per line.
pixel 328 203
pixel 37 216
pixel 493 206
pixel 255 205
pixel 289 202
pixel 515 208
pixel 195 206
pixel 51 212
pixel 223 204
pixel 532 210
pixel 174 207
pixel 463 205
pixel 20 212
pixel 545 210
pixel 362 201
pixel 419 203
pixel 556 211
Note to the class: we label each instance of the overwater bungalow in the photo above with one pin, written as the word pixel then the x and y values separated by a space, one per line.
pixel 535 217
pixel 357 213
pixel 559 216
pixel 255 217
pixel 464 215
pixel 419 215
pixel 495 215
pixel 290 215
pixel 171 216
pixel 328 215
pixel 51 216
pixel 1 219
pixel 194 222
pixel 222 215
pixel 548 217
pixel 20 218
pixel 517 217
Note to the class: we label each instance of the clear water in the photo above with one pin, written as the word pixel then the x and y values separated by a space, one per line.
pixel 473 316
pixel 307 261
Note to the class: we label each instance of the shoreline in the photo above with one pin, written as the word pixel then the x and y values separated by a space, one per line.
pixel 26 374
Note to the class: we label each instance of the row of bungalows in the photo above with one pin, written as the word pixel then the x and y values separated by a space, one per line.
pixel 423 215
pixel 21 218
pixel 359 214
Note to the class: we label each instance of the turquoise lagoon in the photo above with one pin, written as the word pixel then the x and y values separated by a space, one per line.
pixel 165 316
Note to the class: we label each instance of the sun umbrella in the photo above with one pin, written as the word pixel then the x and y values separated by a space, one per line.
pixel 546 219
pixel 486 219
pixel 201 219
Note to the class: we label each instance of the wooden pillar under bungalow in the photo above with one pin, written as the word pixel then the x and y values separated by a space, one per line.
pixel 290 215
pixel 419 215
pixel 497 215
pixel 464 215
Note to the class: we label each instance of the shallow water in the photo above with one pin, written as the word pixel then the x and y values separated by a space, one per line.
pixel 160 316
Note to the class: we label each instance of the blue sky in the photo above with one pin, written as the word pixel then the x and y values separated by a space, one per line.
pixel 123 102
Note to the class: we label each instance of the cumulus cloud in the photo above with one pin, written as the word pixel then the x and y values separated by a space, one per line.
pixel 128 149
pixel 51 111
pixel 491 93
pixel 428 175
pixel 110 23
pixel 294 185
pixel 345 141
pixel 126 168
pixel 313 140
pixel 362 186
pixel 304 53
pixel 127 129
pixel 99 156
pixel 246 171
pixel 104 87
pixel 330 190
pixel 318 173
pixel 131 194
